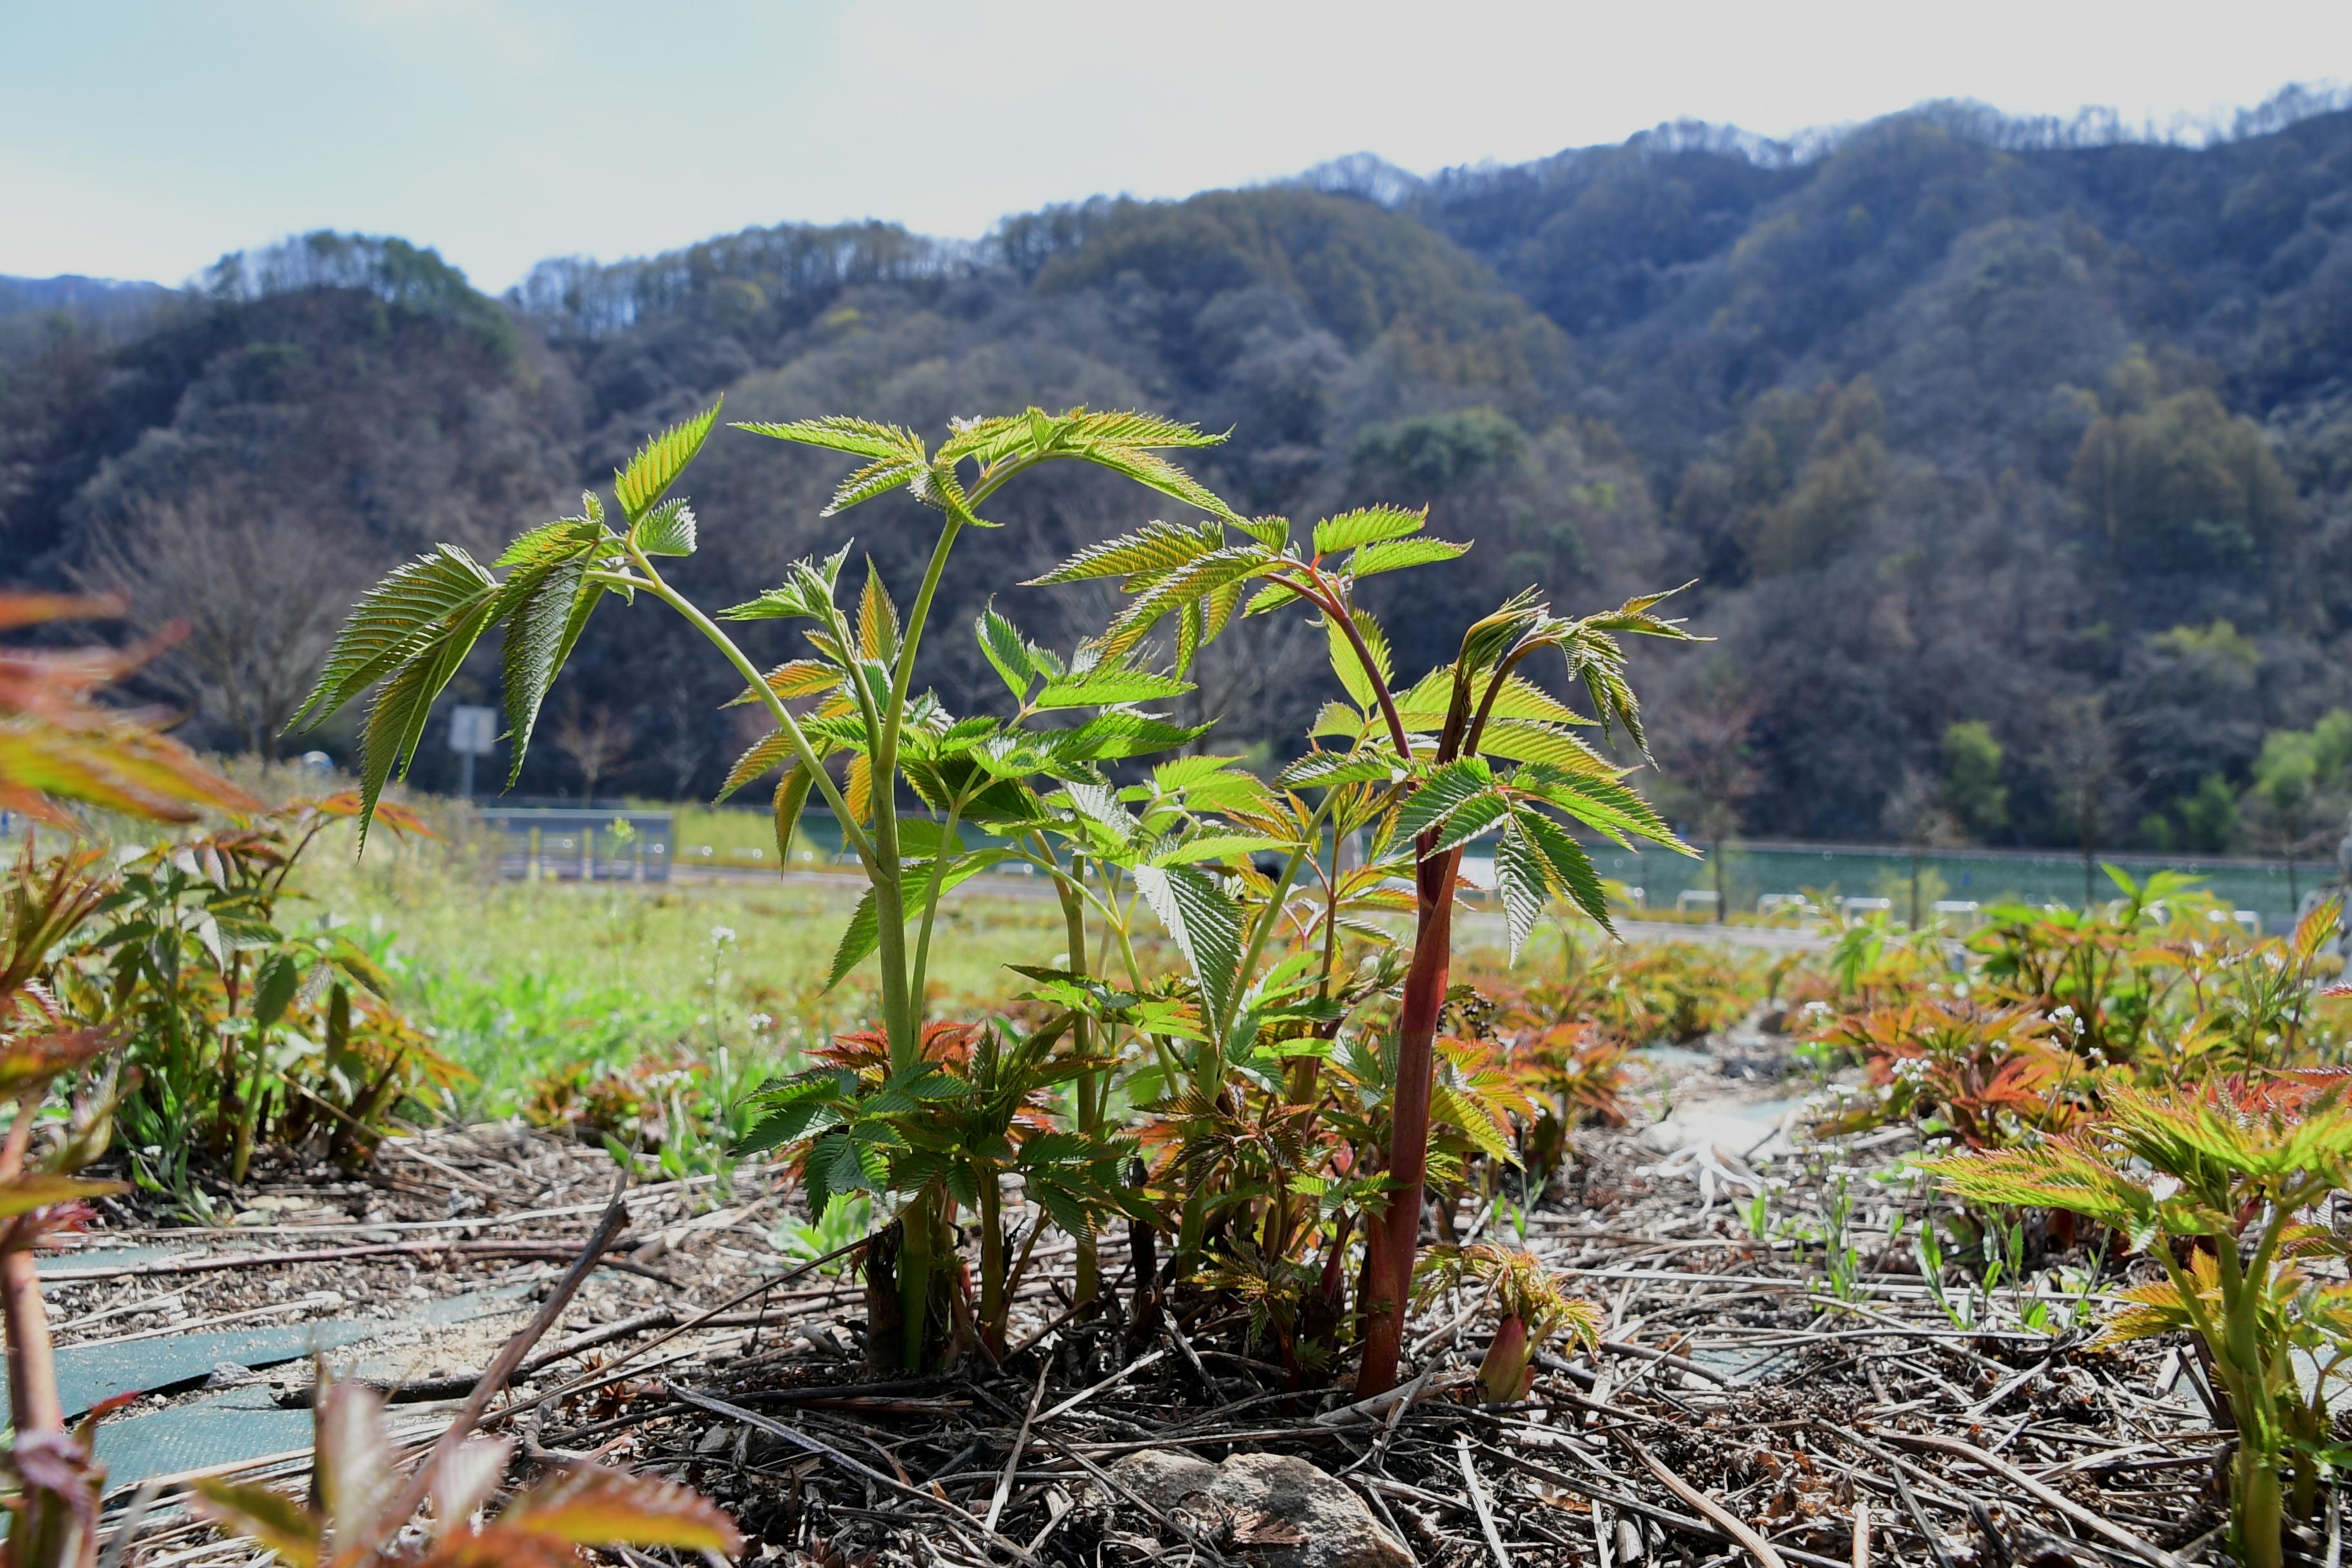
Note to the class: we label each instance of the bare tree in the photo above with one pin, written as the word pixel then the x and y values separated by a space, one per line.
pixel 594 738
pixel 2086 764
pixel 1704 761
pixel 1254 681
pixel 258 594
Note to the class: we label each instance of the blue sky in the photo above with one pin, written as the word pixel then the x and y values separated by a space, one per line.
pixel 143 138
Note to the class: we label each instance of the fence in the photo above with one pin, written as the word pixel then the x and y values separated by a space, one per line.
pixel 542 845
pixel 1755 873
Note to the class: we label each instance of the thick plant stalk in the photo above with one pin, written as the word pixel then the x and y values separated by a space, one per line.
pixel 1392 1240
pixel 33 1402
pixel 992 1303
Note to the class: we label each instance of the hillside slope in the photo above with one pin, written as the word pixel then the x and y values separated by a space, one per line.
pixel 2052 444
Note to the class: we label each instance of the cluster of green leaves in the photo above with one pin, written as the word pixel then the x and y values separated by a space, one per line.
pixel 1227 1060
pixel 2227 1168
pixel 1469 751
pixel 245 1027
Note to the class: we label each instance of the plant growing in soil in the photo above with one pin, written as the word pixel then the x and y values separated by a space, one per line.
pixel 409 635
pixel 242 1026
pixel 1469 751
pixel 1530 1308
pixel 58 749
pixel 2209 1182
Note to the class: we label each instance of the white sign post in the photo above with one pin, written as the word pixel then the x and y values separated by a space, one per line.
pixel 472 733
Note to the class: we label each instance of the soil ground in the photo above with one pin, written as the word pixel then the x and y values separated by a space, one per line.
pixel 1779 1366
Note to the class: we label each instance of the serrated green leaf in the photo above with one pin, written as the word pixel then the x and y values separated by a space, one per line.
pixel 396 719
pixel 392 620
pixel 1214 846
pixel 658 463
pixel 1349 665
pixel 1155 547
pixel 1101 687
pixel 1203 923
pixel 841 433
pixel 860 937
pixel 1113 737
pixel 540 636
pixel 1398 553
pixel 1369 525
pixel 1320 769
pixel 1180 589
pixel 1274 533
pixel 668 529
pixel 1442 793
pixel 274 986
pixel 1524 878
pixel 1007 650
pixel 1523 740
pixel 1571 869
pixel 1469 819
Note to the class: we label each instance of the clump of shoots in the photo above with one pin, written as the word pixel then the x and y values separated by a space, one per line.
pixel 2209 1182
pixel 1530 1308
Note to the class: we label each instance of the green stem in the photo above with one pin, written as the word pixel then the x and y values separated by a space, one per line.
pixel 918 1227
pixel 931 892
pixel 1089 1087
pixel 1268 921
pixel 850 832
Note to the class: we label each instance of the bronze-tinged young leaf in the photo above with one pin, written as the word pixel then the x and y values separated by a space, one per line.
pixel 767 752
pixel 877 618
pixel 784 808
pixel 797 678
pixel 592 1506
pixel 30 1190
pixel 660 462
pixel 271 1520
pixel 352 1461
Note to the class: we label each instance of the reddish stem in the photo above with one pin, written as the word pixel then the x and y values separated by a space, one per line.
pixel 33 1402
pixel 1392 1243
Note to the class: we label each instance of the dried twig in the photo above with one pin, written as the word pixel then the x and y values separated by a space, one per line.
pixel 1020 1442
pixel 1724 1519
pixel 2047 1496
pixel 1487 1509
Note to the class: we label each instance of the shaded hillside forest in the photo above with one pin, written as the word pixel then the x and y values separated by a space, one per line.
pixel 2013 459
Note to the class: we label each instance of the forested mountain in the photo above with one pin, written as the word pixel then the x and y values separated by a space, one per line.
pixel 2015 466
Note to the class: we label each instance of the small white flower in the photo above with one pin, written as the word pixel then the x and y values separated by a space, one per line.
pixel 761 1021
pixel 722 936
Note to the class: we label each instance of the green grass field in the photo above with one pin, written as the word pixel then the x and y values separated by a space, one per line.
pixel 520 978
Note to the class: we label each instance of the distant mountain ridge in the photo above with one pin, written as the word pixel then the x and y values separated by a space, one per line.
pixel 1956 419
pixel 102 299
